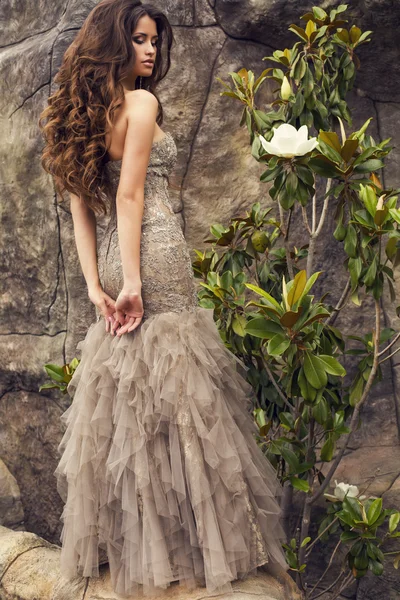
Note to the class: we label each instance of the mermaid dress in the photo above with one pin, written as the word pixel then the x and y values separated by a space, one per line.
pixel 159 469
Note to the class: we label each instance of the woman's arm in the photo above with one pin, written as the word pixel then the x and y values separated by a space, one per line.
pixel 84 221
pixel 142 107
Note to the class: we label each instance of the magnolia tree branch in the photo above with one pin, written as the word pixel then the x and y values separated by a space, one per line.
pixel 327 568
pixel 348 581
pixel 334 314
pixel 309 546
pixel 341 574
pixel 285 232
pixel 305 219
pixel 390 356
pixel 274 383
pixel 394 340
pixel 306 520
pixel 357 408
pixel 316 229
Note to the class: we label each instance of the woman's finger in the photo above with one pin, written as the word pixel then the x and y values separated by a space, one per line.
pixel 126 326
pixel 135 324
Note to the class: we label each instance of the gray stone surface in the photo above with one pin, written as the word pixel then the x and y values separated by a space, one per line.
pixel 29 569
pixel 11 511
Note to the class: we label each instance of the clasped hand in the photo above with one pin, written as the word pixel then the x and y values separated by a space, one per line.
pixel 121 315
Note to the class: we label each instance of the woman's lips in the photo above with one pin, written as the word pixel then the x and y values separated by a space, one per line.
pixel 149 64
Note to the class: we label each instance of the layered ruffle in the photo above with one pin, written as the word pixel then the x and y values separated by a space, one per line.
pixel 159 467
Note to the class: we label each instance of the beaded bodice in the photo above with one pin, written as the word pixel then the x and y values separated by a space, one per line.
pixel 165 263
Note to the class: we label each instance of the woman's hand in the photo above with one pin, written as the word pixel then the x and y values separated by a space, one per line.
pixel 129 310
pixel 104 303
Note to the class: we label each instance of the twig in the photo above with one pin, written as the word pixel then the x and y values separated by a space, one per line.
pixel 348 581
pixel 324 208
pixel 305 219
pixel 285 231
pixel 316 229
pixel 328 567
pixel 314 210
pixel 306 520
pixel 390 356
pixel 394 340
pixel 320 535
pixel 330 320
pixel 274 383
pixel 354 418
pixel 330 587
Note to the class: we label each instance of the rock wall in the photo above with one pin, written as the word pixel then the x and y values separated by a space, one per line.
pixel 43 303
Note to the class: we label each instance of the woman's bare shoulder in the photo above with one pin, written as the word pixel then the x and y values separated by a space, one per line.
pixel 133 97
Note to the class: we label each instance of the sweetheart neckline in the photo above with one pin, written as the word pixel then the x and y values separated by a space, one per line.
pixel 167 133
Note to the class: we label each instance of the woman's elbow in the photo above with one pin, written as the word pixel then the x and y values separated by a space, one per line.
pixel 130 197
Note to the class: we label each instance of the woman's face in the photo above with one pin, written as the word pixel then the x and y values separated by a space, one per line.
pixel 144 40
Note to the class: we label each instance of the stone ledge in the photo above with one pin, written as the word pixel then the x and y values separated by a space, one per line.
pixel 29 569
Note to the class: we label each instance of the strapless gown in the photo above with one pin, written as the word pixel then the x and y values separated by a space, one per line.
pixel 159 469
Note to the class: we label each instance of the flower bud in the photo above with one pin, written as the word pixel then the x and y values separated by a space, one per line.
pixel 379 205
pixel 286 90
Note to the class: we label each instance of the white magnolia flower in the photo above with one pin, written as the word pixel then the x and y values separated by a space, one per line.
pixel 342 490
pixel 345 489
pixel 287 141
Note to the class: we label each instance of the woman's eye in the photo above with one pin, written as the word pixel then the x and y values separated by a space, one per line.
pixel 141 42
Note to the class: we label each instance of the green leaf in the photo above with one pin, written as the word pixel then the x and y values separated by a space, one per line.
pixel 287 420
pixel 265 295
pixel 369 277
pixel 56 372
pixel 262 328
pixel 320 411
pixel 374 511
pixel 368 196
pixel 331 139
pixel 48 386
pixel 297 288
pixel 278 344
pixel 394 521
pixel 323 166
pixel 307 391
pixel 356 390
pixel 314 371
pixel 330 152
pixel 355 268
pixel 350 242
pixel 239 325
pixel 309 284
pixel 331 365
pixel 376 567
pixel 291 183
pixel 373 164
pixel 395 214
pixel 328 449
pixel 300 484
pixel 290 457
pixel 308 82
pixel 305 174
pixel 349 536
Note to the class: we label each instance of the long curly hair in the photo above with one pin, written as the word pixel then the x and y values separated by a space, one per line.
pixel 81 111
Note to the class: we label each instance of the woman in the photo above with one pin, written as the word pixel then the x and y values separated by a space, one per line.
pixel 159 469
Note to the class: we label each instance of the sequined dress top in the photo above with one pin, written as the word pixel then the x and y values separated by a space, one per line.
pixel 159 468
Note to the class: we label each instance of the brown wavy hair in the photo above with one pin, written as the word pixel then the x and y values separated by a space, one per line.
pixel 81 111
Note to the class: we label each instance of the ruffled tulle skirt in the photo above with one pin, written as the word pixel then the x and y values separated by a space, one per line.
pixel 159 468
